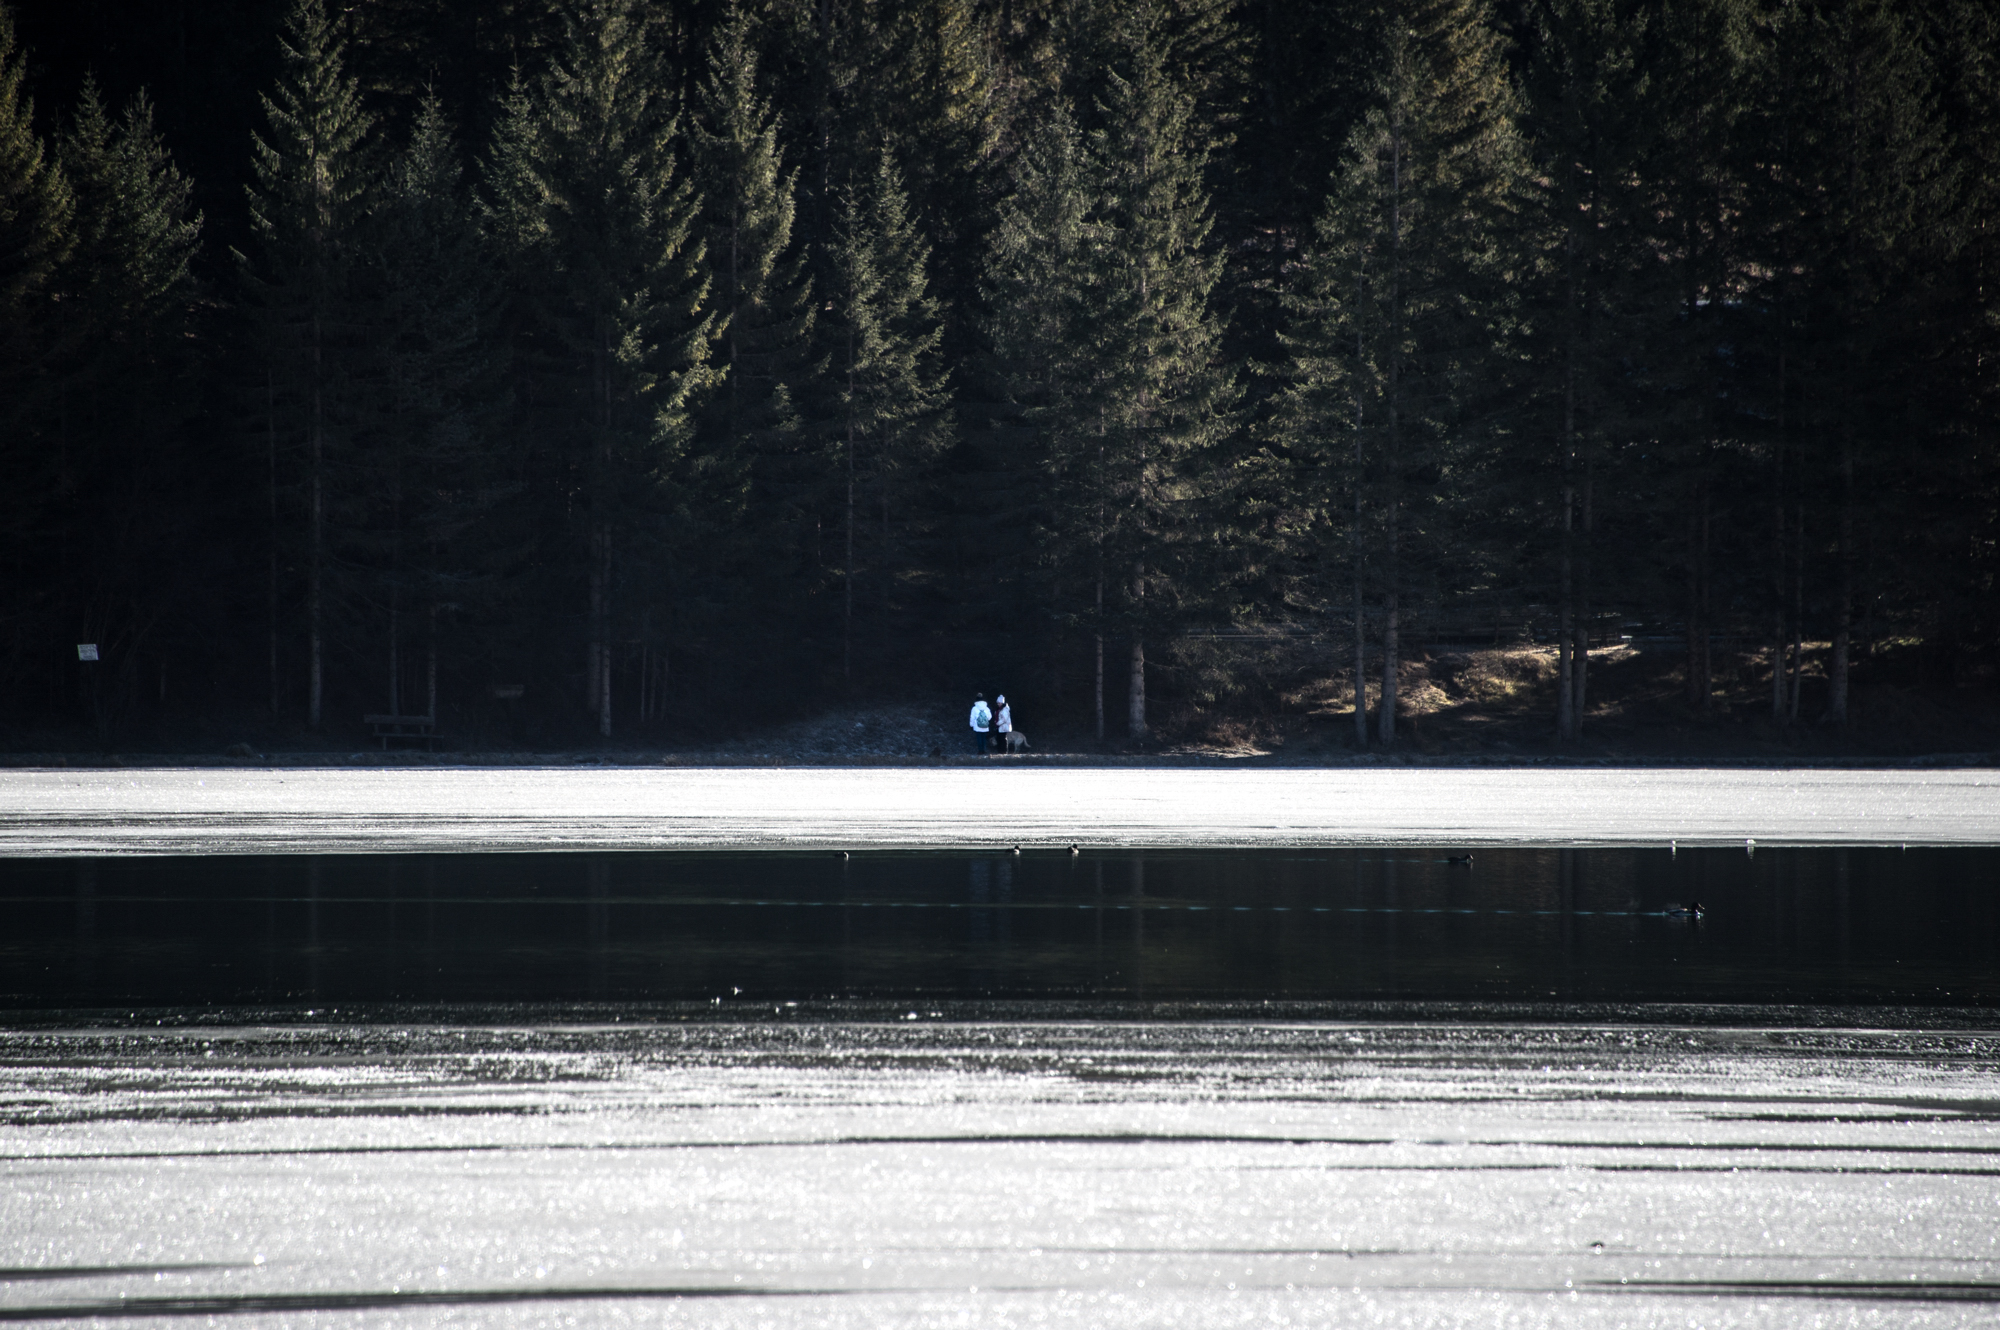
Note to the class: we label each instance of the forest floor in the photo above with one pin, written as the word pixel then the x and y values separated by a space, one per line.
pixel 1500 704
pixel 1479 707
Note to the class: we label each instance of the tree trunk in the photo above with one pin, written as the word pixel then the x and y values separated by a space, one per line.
pixel 1386 725
pixel 1580 655
pixel 600 538
pixel 1691 689
pixel 1566 621
pixel 1798 613
pixel 1360 666
pixel 1566 618
pixel 1778 544
pixel 395 660
pixel 1699 677
pixel 847 578
pixel 1354 554
pixel 313 570
pixel 594 678
pixel 1135 718
pixel 1778 601
pixel 431 669
pixel 271 586
pixel 603 691
pixel 1135 697
pixel 601 596
pixel 1707 608
pixel 1843 628
pixel 1099 639
pixel 1100 579
pixel 734 305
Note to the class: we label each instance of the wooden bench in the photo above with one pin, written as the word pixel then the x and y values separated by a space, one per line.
pixel 403 729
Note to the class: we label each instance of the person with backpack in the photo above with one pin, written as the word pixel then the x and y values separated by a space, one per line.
pixel 982 717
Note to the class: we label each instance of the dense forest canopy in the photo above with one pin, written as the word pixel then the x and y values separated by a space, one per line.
pixel 633 369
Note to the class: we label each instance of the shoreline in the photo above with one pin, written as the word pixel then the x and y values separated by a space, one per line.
pixel 334 760
pixel 977 808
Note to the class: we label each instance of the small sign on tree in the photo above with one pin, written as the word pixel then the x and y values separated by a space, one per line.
pixel 86 651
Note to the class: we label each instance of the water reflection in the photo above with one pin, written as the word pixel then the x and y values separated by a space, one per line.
pixel 1783 925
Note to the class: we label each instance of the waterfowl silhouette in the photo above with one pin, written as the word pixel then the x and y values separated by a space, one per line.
pixel 1074 850
pixel 1694 911
pixel 1464 859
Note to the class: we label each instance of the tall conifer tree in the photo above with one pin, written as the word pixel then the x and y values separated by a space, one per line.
pixel 435 471
pixel 121 359
pixel 935 107
pixel 1958 489
pixel 1588 94
pixel 35 208
pixel 613 284
pixel 890 397
pixel 1401 297
pixel 134 232
pixel 1693 199
pixel 1039 289
pixel 1168 391
pixel 758 273
pixel 311 175
pixel 1864 213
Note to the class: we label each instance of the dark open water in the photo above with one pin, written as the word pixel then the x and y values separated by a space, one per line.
pixel 1917 927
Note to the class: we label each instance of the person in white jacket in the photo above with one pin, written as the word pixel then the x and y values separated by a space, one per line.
pixel 982 717
pixel 1003 724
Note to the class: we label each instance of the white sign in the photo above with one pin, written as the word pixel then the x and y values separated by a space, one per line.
pixel 86 651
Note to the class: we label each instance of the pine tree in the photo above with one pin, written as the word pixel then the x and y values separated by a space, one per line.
pixel 1863 215
pixel 612 285
pixel 1038 291
pixel 133 236
pixel 126 289
pixel 1402 298
pixel 1693 202
pixel 35 209
pixel 934 86
pixel 435 474
pixel 915 79
pixel 888 417
pixel 311 169
pixel 1956 489
pixel 1588 99
pixel 104 476
pixel 1168 393
pixel 1318 425
pixel 760 286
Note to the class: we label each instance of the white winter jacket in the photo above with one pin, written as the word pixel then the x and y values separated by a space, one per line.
pixel 982 716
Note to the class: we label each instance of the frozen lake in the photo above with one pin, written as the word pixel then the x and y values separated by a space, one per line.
pixel 267 1055
pixel 203 811
pixel 1836 925
pixel 794 1167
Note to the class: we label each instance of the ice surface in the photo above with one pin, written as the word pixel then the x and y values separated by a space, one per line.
pixel 919 1172
pixel 183 811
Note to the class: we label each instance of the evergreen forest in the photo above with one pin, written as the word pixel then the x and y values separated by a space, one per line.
pixel 629 372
